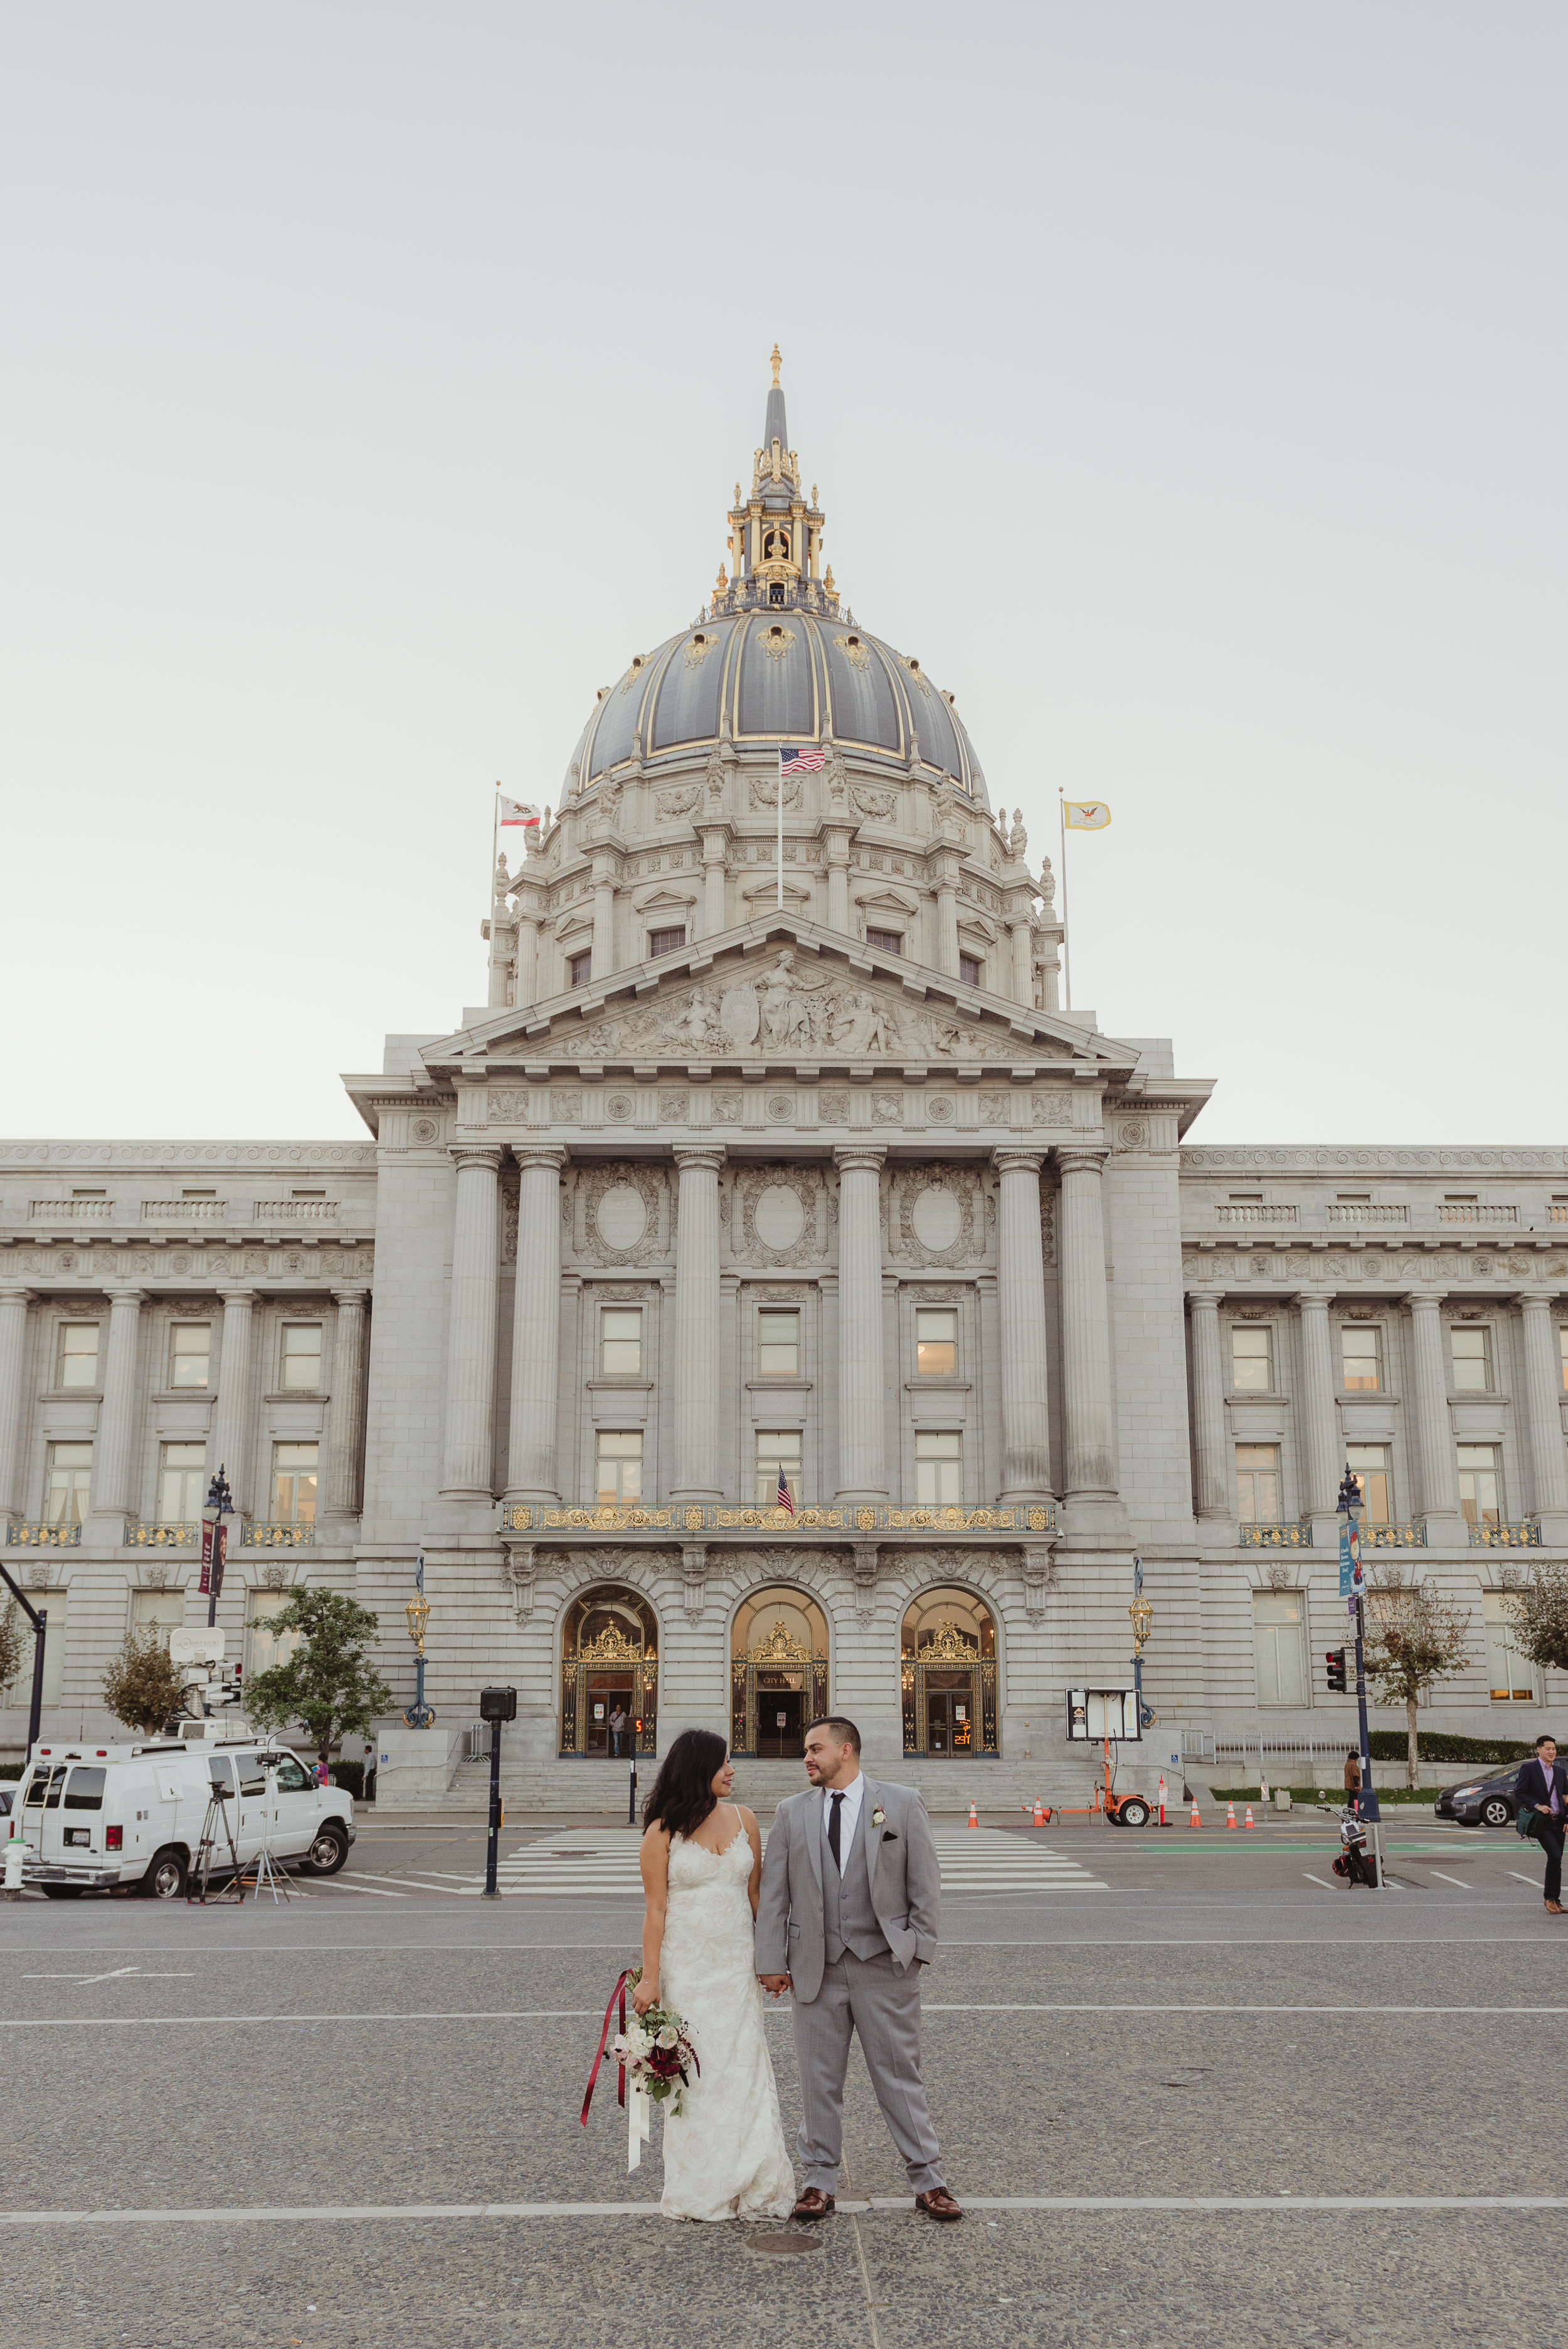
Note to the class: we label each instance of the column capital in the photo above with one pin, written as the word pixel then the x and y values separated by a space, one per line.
pixel 871 1155
pixel 1008 1160
pixel 246 1296
pixel 350 1296
pixel 709 1154
pixel 1304 1297
pixel 541 1154
pixel 475 1153
pixel 1537 1300
pixel 12 1295
pixel 125 1292
pixel 1081 1158
pixel 1210 1297
pixel 1418 1297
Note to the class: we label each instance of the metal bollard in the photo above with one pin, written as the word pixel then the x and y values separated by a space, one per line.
pixel 15 1853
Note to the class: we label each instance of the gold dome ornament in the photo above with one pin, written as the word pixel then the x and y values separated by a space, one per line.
pixel 778 362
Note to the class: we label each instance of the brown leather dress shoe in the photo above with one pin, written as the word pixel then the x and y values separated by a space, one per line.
pixel 938 2204
pixel 813 2204
pixel 1554 1908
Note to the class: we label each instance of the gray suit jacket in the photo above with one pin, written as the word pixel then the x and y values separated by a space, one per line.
pixel 902 1871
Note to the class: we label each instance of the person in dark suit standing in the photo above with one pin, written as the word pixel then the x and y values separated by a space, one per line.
pixel 1543 1786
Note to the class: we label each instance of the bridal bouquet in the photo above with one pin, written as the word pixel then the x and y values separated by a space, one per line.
pixel 653 2052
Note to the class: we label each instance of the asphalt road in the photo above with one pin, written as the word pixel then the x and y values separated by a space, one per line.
pixel 1176 2108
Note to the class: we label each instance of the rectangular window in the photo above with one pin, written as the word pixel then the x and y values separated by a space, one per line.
pixel 76 1365
pixel 301 1357
pixel 778 1448
pixel 1471 1352
pixel 182 1484
pixel 938 1465
pixel 1513 1676
pixel 189 1354
pixel 1257 1484
pixel 1480 1487
pixel 1279 1646
pixel 936 1342
pixel 580 968
pixel 293 1484
pixel 264 1648
pixel 663 942
pixel 1361 1358
pixel 1368 1464
pixel 158 1610
pixel 969 969
pixel 620 1464
pixel 1252 1359
pixel 890 941
pixel 778 1345
pixel 70 1475
pixel 620 1341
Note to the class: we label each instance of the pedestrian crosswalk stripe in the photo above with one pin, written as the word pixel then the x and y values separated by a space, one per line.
pixel 598 1862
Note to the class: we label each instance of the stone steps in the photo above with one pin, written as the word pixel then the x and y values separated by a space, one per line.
pixel 948 1787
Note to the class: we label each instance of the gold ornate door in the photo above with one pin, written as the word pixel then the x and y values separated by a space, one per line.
pixel 776 1688
pixel 608 1671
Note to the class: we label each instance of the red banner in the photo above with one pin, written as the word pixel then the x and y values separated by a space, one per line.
pixel 208 1529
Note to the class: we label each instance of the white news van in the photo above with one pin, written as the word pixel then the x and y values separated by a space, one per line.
pixel 95 1816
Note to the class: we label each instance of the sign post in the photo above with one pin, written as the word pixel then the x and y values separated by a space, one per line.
pixel 496 1705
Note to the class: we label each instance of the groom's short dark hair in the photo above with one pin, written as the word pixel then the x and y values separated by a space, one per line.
pixel 844 1731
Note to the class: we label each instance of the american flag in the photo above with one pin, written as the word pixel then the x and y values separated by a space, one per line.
pixel 784 1500
pixel 802 762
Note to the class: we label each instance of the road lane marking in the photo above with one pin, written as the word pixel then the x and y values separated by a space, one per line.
pixel 592 2015
pixel 1534 1882
pixel 1451 1879
pixel 1317 1880
pixel 371 2213
pixel 116 1975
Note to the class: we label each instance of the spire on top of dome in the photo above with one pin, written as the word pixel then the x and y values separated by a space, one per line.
pixel 773 424
pixel 775 534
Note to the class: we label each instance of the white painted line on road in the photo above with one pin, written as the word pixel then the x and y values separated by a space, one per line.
pixel 1534 1882
pixel 1451 1879
pixel 771 2011
pixel 1317 1880
pixel 372 2213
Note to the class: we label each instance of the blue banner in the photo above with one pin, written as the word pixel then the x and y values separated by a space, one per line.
pixel 1350 1576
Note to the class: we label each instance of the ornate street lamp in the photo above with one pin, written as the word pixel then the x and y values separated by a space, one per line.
pixel 1142 1615
pixel 419 1714
pixel 220 1505
pixel 1350 1589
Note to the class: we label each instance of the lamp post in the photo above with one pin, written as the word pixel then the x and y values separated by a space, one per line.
pixel 38 1617
pixel 215 1540
pixel 496 1705
pixel 420 1715
pixel 1142 1615
pixel 1351 1586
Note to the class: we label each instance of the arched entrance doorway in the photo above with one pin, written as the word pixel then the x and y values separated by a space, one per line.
pixel 778 1672
pixel 609 1664
pixel 948 1669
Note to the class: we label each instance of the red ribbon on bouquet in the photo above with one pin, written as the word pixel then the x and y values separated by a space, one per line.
pixel 618 1992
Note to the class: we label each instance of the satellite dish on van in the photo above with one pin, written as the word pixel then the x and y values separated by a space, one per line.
pixel 198 1647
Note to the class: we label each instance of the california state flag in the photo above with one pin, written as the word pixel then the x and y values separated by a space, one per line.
pixel 519 812
pixel 1087 815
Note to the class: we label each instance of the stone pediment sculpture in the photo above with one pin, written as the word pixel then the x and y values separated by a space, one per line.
pixel 791 1002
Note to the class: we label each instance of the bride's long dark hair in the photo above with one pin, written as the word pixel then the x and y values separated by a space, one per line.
pixel 683 1794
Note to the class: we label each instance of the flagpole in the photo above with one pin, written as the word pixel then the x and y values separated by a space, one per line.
pixel 495 837
pixel 1066 934
pixel 780 828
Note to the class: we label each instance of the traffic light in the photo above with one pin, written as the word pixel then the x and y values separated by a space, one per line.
pixel 1335 1662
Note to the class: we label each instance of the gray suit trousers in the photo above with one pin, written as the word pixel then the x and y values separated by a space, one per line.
pixel 868 1996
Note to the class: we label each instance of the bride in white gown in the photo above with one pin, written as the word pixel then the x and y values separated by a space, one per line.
pixel 702 1862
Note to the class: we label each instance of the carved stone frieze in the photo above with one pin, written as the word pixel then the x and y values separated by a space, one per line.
pixel 778 1217
pixel 934 1215
pixel 624 1205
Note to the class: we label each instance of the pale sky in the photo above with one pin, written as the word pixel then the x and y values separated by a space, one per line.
pixel 1185 386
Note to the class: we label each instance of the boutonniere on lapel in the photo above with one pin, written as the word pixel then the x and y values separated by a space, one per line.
pixel 879 1816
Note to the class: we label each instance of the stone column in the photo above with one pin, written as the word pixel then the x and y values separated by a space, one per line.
pixel 112 1452
pixel 1090 1468
pixel 1023 987
pixel 713 898
pixel 536 1326
pixel 604 921
pixel 1544 1401
pixel 862 1472
pixel 947 926
pixel 838 879
pixel 1021 1301
pixel 1213 1488
pixel 347 1406
pixel 13 1344
pixel 503 948
pixel 526 991
pixel 468 1456
pixel 1434 1429
pixel 231 1421
pixel 696 1476
pixel 1321 1443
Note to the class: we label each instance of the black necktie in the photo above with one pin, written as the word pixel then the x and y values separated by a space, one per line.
pixel 833 1834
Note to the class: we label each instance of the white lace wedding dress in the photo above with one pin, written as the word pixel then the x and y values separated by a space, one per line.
pixel 724 2155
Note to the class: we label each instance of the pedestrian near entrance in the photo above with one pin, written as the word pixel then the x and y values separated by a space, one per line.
pixel 1543 1789
pixel 1353 1780
pixel 617 1727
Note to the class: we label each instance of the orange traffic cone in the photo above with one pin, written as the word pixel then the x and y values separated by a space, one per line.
pixel 1251 1821
pixel 1230 1815
pixel 1039 1814
pixel 974 1817
pixel 1194 1821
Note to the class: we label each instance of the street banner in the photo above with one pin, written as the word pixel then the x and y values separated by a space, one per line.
pixel 209 1529
pixel 1351 1579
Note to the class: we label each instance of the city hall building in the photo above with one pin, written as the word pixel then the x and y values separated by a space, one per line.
pixel 775 1297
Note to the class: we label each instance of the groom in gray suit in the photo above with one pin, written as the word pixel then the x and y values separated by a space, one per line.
pixel 846 1918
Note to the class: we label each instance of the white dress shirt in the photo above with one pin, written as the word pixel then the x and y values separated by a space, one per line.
pixel 848 1812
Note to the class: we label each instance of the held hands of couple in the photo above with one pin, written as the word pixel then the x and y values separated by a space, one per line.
pixel 775 1984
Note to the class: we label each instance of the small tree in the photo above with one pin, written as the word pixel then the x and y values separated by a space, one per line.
pixel 1415 1639
pixel 329 1684
pixel 13 1640
pixel 141 1687
pixel 1539 1614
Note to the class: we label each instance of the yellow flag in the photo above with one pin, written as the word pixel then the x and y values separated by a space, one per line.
pixel 1087 815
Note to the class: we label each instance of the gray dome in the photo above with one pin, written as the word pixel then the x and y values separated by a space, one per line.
pixel 766 676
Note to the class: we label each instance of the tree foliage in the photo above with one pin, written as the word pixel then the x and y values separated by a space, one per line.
pixel 1539 1613
pixel 141 1687
pixel 17 1638
pixel 329 1686
pixel 1414 1638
